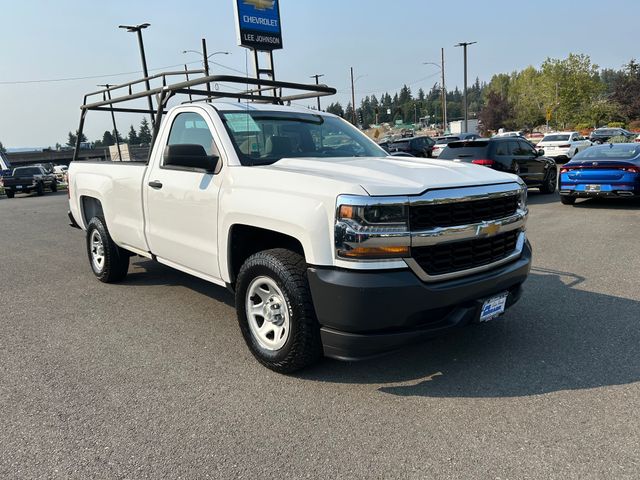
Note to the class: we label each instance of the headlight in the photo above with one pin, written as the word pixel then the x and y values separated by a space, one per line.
pixel 372 228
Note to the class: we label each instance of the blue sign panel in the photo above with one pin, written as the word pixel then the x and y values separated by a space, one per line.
pixel 259 24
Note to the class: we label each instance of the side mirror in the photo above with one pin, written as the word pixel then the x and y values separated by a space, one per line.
pixel 187 156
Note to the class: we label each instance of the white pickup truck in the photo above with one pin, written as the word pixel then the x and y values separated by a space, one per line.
pixel 330 245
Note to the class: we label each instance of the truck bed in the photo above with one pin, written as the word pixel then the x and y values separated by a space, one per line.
pixel 121 182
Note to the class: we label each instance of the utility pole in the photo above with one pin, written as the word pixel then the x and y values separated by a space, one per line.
pixel 317 77
pixel 353 98
pixel 444 97
pixel 113 118
pixel 138 30
pixel 464 46
pixel 206 65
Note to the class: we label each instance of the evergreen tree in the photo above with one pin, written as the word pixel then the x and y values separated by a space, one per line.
pixel 144 134
pixel 108 139
pixel 71 141
pixel 132 138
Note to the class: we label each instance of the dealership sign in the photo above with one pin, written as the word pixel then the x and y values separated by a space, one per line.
pixel 258 24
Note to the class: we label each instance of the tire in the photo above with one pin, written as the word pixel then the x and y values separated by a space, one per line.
pixel 550 182
pixel 109 262
pixel 10 194
pixel 54 186
pixel 278 278
pixel 40 189
pixel 567 200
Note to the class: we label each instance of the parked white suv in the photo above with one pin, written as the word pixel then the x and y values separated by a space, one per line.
pixel 563 145
pixel 330 245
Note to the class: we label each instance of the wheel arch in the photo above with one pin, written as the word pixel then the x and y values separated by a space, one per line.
pixel 246 240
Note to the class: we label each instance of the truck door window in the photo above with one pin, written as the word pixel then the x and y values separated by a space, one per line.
pixel 190 128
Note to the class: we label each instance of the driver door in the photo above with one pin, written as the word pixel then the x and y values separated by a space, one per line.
pixel 182 202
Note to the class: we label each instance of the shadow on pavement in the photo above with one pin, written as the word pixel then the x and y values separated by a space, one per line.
pixel 557 338
pixel 534 197
pixel 157 274
pixel 609 203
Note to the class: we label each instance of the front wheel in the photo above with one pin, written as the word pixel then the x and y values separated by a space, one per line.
pixel 109 262
pixel 54 186
pixel 567 200
pixel 550 183
pixel 275 311
pixel 40 189
pixel 10 194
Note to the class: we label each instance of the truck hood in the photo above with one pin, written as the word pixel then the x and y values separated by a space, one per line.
pixel 394 175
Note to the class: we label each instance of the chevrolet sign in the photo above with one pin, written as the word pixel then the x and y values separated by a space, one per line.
pixel 258 24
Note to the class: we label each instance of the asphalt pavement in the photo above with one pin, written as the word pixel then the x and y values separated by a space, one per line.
pixel 151 378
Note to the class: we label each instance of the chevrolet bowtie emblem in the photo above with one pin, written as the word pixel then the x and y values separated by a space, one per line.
pixel 261 4
pixel 489 230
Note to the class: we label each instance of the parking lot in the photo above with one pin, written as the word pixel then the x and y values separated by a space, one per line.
pixel 151 378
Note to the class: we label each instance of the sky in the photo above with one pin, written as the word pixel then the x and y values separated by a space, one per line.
pixel 385 42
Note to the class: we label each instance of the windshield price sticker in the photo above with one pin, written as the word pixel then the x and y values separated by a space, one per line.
pixel 241 122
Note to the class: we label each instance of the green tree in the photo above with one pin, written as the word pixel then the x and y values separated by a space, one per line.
pixel 132 138
pixel 144 134
pixel 569 88
pixel 626 91
pixel 108 139
pixel 71 141
pixel 336 109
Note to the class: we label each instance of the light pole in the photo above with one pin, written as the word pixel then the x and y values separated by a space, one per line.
pixel 317 76
pixel 444 91
pixel 464 46
pixel 138 30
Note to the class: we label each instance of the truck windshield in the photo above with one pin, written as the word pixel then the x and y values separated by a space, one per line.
pixel 263 137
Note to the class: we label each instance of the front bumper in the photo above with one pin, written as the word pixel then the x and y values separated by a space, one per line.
pixel 363 314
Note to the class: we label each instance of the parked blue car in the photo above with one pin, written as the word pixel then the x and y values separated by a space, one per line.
pixel 609 170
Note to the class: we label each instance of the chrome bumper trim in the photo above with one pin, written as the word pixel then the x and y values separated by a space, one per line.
pixel 469 232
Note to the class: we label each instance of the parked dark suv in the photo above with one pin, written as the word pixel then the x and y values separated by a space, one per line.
pixel 416 146
pixel 507 154
pixel 602 135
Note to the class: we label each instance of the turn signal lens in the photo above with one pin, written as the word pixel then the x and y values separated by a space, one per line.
pixel 375 252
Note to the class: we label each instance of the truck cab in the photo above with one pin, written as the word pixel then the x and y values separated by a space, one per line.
pixel 331 246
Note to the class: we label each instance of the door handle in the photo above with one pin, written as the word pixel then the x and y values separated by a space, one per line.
pixel 155 184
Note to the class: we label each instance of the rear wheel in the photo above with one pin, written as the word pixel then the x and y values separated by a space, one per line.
pixel 40 189
pixel 54 186
pixel 549 185
pixel 109 262
pixel 10 194
pixel 567 200
pixel 275 311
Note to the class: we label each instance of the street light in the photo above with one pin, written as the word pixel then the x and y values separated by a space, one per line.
pixel 138 30
pixel 444 90
pixel 205 59
pixel 464 45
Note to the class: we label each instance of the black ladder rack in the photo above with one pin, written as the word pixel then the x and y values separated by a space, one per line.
pixel 262 91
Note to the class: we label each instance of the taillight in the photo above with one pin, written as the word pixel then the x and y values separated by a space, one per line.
pixel 631 169
pixel 564 146
pixel 486 163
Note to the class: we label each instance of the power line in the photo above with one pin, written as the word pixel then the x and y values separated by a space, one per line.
pixel 92 77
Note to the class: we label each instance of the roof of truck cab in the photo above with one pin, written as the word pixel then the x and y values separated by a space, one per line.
pixel 263 107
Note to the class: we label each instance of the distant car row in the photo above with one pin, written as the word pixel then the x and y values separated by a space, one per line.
pixel 609 170
pixel 29 179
